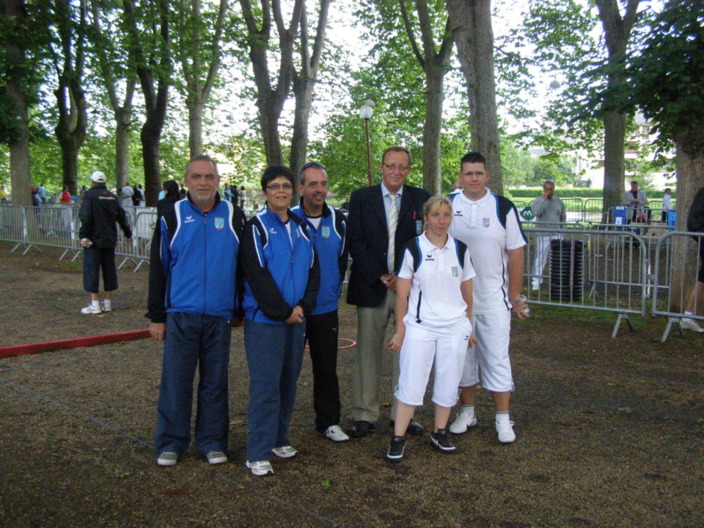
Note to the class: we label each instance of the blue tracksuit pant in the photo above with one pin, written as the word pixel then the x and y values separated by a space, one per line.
pixel 192 341
pixel 274 357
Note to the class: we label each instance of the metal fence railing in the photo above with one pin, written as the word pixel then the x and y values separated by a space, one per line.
pixel 626 269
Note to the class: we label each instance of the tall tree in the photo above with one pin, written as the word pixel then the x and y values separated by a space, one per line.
pixel 112 62
pixel 304 82
pixel 665 79
pixel 470 21
pixel 435 61
pixel 200 51
pixel 617 31
pixel 69 62
pixel 271 96
pixel 17 80
pixel 149 42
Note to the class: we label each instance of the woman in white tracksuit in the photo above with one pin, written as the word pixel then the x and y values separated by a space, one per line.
pixel 435 280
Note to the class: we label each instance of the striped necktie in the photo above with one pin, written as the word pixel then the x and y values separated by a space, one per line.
pixel 393 221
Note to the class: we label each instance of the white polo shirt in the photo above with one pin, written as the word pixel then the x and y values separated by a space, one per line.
pixel 477 225
pixel 435 297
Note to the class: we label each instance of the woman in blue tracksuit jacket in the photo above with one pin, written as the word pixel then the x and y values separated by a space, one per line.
pixel 281 282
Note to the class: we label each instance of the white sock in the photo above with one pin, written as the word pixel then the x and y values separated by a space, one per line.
pixel 502 416
pixel 468 409
pixel 95 304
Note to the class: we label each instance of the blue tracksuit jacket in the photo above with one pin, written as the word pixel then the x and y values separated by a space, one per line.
pixel 280 271
pixel 330 242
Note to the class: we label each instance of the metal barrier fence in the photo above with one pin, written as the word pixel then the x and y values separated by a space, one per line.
pixel 624 269
pixel 58 226
pixel 599 269
pixel 676 289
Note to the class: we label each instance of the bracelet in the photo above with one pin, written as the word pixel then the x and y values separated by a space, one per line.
pixel 521 299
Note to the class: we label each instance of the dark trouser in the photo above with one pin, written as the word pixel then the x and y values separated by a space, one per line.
pixel 93 259
pixel 192 341
pixel 321 332
pixel 274 358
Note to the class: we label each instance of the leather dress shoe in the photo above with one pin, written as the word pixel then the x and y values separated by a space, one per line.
pixel 361 428
pixel 414 428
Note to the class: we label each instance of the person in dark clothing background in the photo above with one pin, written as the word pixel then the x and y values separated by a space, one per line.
pixel 99 212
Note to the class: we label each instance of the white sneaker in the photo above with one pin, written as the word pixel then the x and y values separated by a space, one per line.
pixel 505 432
pixel 167 458
pixel 335 434
pixel 463 422
pixel 690 324
pixel 285 451
pixel 216 457
pixel 107 306
pixel 260 468
pixel 91 309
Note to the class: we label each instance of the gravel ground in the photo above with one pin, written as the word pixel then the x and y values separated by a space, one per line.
pixel 609 430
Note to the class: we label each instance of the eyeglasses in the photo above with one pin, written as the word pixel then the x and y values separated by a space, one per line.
pixel 473 173
pixel 392 166
pixel 277 186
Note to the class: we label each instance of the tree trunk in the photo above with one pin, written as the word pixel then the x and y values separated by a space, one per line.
pixel 195 128
pixel 432 174
pixel 617 31
pixel 19 142
pixel 151 147
pixel 303 91
pixel 474 37
pixel 690 178
pixel 269 122
pixel 614 159
pixel 123 117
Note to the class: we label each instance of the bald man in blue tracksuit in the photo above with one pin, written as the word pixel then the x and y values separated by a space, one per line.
pixel 193 295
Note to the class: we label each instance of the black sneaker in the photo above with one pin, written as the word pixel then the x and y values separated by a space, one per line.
pixel 395 452
pixel 442 442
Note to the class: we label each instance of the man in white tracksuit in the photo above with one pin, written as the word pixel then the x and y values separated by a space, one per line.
pixel 489 225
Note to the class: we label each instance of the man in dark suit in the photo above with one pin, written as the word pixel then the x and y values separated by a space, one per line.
pixel 382 219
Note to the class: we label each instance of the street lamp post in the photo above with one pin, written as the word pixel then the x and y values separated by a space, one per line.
pixel 366 113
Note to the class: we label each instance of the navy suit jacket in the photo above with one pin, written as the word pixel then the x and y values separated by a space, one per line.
pixel 368 236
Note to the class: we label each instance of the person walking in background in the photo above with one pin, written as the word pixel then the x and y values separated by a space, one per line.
pixel 382 219
pixel 637 203
pixel 193 300
pixel 666 205
pixel 99 212
pixel 695 224
pixel 171 195
pixel 549 211
pixel 489 225
pixel 281 282
pixel 127 193
pixel 41 191
pixel 3 195
pixel 435 280
pixel 328 230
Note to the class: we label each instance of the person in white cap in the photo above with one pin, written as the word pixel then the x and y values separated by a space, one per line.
pixel 100 211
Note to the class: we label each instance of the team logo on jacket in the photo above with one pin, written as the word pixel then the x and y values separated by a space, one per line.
pixel 485 222
pixel 325 232
pixel 458 212
pixel 219 223
pixel 188 220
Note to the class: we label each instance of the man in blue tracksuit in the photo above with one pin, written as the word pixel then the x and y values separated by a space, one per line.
pixel 193 295
pixel 328 229
pixel 281 284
